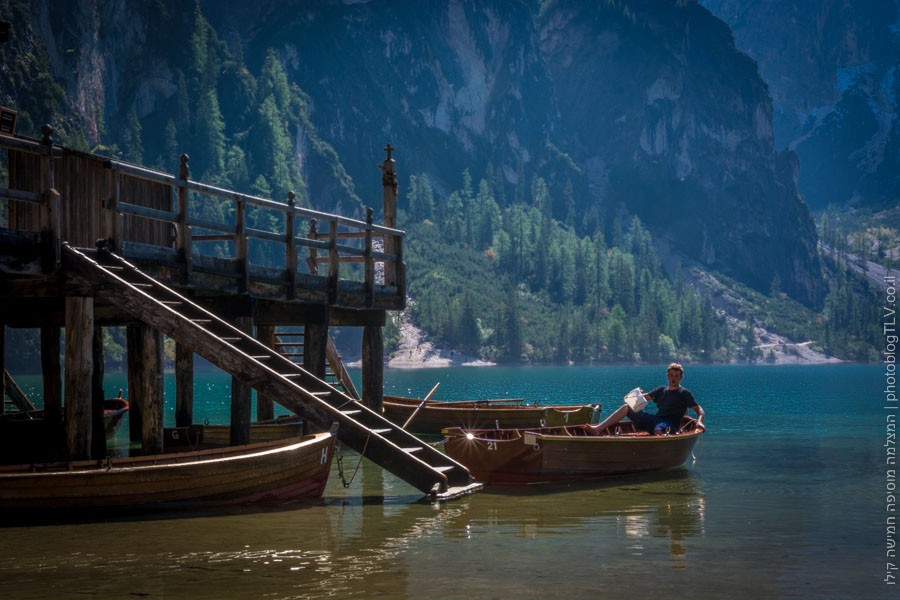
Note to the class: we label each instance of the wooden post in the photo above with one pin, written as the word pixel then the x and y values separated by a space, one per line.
pixel 51 370
pixel 78 373
pixel 313 261
pixel 290 249
pixel 183 230
pixel 152 391
pixel 389 189
pixel 98 439
pixel 315 342
pixel 184 386
pixel 265 405
pixel 241 247
pixel 134 335
pixel 50 212
pixel 113 228
pixel 369 264
pixel 241 397
pixel 373 367
pixel 334 263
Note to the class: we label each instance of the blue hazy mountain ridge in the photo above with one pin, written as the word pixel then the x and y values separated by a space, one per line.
pixel 831 68
pixel 641 107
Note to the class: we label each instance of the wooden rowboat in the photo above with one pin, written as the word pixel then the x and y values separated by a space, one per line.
pixel 431 417
pixel 276 471
pixel 213 436
pixel 114 409
pixel 552 454
pixel 26 437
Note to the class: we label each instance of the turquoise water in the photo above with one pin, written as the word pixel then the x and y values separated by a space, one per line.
pixel 787 499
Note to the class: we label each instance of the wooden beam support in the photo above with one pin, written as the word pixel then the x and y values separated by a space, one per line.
pixel 134 341
pixel 98 438
pixel 373 368
pixel 184 386
pixel 78 374
pixel 152 392
pixel 315 344
pixel 241 398
pixel 265 405
pixel 51 372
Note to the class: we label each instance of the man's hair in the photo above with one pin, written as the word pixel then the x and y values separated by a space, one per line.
pixel 675 367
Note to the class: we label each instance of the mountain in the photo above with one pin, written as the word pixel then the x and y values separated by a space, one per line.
pixel 833 71
pixel 644 107
pixel 623 108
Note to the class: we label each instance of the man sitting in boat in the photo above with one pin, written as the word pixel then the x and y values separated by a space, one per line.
pixel 672 402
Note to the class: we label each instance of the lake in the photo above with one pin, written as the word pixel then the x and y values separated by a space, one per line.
pixel 788 496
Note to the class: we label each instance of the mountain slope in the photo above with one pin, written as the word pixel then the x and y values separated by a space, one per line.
pixel 639 108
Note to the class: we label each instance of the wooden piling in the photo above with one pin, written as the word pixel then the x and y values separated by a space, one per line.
pixel 133 336
pixel 98 438
pixel 51 372
pixel 152 391
pixel 241 397
pixel 78 376
pixel 265 405
pixel 373 367
pixel 184 386
pixel 315 343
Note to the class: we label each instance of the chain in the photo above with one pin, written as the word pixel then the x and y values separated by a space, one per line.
pixel 340 462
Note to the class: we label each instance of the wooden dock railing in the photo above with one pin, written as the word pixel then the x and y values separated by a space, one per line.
pixel 198 234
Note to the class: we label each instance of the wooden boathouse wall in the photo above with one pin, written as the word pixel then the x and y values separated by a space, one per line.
pixel 318 270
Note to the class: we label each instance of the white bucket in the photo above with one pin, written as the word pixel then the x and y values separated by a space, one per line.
pixel 635 400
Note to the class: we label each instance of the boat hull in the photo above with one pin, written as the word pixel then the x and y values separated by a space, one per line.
pixel 214 436
pixel 564 454
pixel 277 471
pixel 433 417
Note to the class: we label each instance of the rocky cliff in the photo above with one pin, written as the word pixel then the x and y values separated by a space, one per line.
pixel 643 107
pixel 671 122
pixel 833 70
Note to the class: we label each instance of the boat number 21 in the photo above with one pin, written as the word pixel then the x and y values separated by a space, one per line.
pixel 491 445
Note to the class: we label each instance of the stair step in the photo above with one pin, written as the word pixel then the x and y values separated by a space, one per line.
pixel 350 413
pixel 382 431
pixel 412 449
pixel 444 469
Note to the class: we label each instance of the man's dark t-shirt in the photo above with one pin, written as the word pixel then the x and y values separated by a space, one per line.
pixel 672 404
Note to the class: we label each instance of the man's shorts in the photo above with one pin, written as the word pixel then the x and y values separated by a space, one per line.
pixel 651 423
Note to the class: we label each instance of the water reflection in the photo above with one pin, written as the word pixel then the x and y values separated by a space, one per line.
pixel 666 505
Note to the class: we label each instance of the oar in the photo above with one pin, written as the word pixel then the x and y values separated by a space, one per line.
pixel 421 404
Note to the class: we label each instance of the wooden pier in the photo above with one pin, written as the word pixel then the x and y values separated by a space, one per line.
pixel 91 242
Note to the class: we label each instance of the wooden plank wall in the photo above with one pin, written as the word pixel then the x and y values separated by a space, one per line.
pixel 87 189
pixel 24 174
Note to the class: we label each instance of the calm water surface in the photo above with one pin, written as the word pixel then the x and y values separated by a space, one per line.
pixel 786 499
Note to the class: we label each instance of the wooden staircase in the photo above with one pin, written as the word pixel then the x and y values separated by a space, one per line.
pixel 289 343
pixel 266 370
